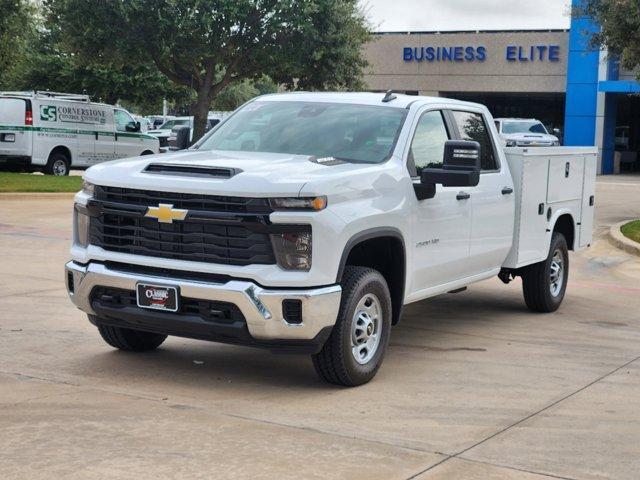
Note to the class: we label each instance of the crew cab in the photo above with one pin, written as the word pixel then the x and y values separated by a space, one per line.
pixel 305 222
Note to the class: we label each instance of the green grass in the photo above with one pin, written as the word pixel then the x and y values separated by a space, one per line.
pixel 632 230
pixel 25 182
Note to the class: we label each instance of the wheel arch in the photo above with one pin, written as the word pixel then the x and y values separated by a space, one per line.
pixel 564 222
pixel 381 248
pixel 66 151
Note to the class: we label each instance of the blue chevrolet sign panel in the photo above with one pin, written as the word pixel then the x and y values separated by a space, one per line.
pixel 460 53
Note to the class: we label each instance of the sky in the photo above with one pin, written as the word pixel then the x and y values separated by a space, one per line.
pixel 448 15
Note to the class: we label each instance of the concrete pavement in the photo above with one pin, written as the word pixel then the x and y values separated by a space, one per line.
pixel 473 386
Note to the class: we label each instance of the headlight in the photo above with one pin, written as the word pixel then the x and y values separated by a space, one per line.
pixel 299 203
pixel 511 143
pixel 88 187
pixel 293 250
pixel 82 226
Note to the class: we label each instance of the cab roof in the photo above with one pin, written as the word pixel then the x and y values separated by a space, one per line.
pixel 363 98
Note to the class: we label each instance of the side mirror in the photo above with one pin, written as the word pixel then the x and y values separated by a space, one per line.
pixel 460 166
pixel 132 127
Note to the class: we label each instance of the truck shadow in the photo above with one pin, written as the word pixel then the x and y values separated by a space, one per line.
pixel 202 365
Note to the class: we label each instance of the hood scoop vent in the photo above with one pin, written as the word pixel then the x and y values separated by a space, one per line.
pixel 175 169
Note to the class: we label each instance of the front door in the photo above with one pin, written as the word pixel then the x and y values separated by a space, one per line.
pixel 442 224
pixel 128 144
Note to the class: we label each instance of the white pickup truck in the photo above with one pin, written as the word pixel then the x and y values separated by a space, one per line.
pixel 304 222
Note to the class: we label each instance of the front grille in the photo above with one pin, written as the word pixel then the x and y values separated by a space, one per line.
pixel 209 310
pixel 217 229
pixel 189 201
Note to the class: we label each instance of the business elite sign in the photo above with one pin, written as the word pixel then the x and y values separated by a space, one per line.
pixel 469 53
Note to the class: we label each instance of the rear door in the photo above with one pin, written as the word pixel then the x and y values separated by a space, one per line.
pixel 492 200
pixel 442 224
pixel 15 136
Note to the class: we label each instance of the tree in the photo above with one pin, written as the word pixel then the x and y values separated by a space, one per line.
pixel 234 95
pixel 620 28
pixel 17 25
pixel 206 45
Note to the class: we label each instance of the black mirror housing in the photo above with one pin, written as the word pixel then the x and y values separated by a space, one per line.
pixel 460 166
pixel 132 127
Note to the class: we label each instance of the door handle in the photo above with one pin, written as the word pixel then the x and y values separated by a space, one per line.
pixel 463 196
pixel 507 190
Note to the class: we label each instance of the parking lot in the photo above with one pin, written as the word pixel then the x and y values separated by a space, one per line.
pixel 473 386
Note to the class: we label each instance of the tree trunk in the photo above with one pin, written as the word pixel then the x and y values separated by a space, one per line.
pixel 200 112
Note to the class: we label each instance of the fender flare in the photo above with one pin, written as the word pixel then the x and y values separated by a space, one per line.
pixel 370 234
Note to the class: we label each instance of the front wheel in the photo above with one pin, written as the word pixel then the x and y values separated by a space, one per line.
pixel 544 283
pixel 57 165
pixel 355 349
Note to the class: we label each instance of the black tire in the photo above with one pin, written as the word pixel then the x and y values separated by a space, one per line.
pixel 336 363
pixel 130 340
pixel 57 165
pixel 536 279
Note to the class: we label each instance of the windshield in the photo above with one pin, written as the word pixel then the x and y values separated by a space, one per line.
pixel 523 127
pixel 355 133
pixel 169 124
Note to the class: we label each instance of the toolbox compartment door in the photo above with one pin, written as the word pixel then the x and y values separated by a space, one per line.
pixel 566 178
pixel 588 200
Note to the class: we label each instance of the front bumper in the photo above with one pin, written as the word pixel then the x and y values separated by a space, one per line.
pixel 261 307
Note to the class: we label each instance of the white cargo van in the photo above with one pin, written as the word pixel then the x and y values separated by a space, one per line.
pixel 54 131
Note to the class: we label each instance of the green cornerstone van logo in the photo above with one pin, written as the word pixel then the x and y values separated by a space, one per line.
pixel 48 113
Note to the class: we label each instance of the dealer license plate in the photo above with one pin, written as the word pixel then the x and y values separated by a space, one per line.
pixel 157 297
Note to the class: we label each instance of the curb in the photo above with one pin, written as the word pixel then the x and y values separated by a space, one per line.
pixel 617 239
pixel 37 195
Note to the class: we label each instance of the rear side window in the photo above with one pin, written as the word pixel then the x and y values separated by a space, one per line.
pixel 427 146
pixel 472 126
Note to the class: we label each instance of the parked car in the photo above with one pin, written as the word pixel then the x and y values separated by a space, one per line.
pixel 521 132
pixel 53 132
pixel 145 123
pixel 163 131
pixel 157 120
pixel 165 135
pixel 305 222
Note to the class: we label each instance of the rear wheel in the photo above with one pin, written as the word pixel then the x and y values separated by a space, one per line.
pixel 130 340
pixel 544 283
pixel 57 165
pixel 355 349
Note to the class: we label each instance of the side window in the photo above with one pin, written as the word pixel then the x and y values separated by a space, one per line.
pixel 427 146
pixel 472 127
pixel 122 119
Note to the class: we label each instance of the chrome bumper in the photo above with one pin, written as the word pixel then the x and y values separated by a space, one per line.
pixel 261 307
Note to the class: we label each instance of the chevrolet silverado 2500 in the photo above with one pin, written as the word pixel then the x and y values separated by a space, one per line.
pixel 305 221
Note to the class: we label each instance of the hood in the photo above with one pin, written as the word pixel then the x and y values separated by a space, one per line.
pixel 250 173
pixel 530 137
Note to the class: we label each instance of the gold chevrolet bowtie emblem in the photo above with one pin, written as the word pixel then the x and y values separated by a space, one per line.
pixel 165 213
